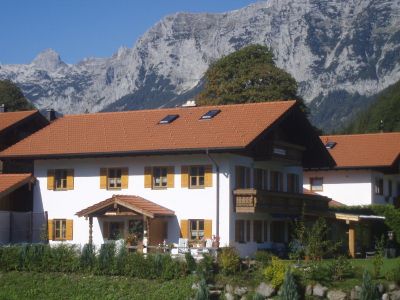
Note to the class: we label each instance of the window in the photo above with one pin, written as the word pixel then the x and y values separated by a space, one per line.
pixel 114 179
pixel 168 119
pixel 240 231
pixel 257 231
pixel 60 229
pixel 276 181
pixel 278 231
pixel 210 114
pixel 60 179
pixel 160 179
pixel 379 186
pixel 261 179
pixel 293 183
pixel 196 177
pixel 196 229
pixel 330 145
pixel 316 183
pixel 242 177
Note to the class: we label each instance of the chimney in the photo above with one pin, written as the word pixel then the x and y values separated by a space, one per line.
pixel 51 115
pixel 189 103
pixel 2 108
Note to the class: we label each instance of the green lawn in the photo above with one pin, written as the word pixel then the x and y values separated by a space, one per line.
pixel 24 285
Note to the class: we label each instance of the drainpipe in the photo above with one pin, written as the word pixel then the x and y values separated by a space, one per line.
pixel 217 193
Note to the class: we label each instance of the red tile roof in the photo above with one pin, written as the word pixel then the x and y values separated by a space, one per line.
pixel 7 119
pixel 331 203
pixel 11 182
pixel 135 203
pixel 138 131
pixel 364 150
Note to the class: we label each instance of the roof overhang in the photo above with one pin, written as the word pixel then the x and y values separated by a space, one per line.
pixel 17 183
pixel 356 217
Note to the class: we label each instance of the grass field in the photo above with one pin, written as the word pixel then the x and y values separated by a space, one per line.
pixel 24 285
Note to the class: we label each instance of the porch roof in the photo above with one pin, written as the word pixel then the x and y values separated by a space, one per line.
pixel 134 203
pixel 11 182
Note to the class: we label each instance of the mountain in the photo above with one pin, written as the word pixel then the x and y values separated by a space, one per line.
pixel 385 108
pixel 340 52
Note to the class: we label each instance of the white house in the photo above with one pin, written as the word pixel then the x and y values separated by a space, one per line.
pixel 367 169
pixel 231 171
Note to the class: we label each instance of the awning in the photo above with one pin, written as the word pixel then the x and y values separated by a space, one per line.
pixel 134 204
pixel 356 218
pixel 11 182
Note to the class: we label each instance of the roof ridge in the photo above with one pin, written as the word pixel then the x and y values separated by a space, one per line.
pixel 360 134
pixel 182 108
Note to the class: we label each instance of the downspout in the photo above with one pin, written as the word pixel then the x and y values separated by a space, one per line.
pixel 217 192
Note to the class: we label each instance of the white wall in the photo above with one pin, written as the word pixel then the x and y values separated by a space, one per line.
pixel 187 203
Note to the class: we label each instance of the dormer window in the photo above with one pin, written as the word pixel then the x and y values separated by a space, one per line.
pixel 330 145
pixel 169 119
pixel 210 114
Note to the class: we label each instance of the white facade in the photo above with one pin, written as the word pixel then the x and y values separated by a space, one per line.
pixel 185 202
pixel 355 187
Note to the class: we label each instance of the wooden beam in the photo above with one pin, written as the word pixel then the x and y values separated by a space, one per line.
pixel 352 240
pixel 90 230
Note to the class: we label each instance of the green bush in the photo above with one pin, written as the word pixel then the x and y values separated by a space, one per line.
pixel 289 287
pixel 205 267
pixel 368 288
pixel 377 260
pixel 190 262
pixel 9 258
pixel 229 261
pixel 106 259
pixel 393 274
pixel 171 269
pixel 275 272
pixel 203 292
pixel 88 257
pixel 263 258
pixel 340 268
pixel 62 258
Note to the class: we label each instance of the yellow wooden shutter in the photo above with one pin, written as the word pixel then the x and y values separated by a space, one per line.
pixel 170 176
pixel 103 178
pixel 70 179
pixel 106 230
pixel 148 177
pixel 50 179
pixel 185 228
pixel 124 178
pixel 207 229
pixel 69 230
pixel 208 176
pixel 184 176
pixel 50 229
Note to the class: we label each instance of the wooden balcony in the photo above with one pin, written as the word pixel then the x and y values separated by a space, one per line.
pixel 261 201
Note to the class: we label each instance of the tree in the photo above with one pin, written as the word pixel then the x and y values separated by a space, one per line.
pixel 12 97
pixel 247 75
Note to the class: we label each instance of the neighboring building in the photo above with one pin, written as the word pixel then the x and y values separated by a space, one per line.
pixel 233 171
pixel 15 126
pixel 367 169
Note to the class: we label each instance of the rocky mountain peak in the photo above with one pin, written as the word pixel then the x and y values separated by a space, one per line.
pixel 48 60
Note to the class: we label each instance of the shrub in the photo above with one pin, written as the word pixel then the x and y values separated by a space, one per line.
pixel 62 258
pixel 275 272
pixel 9 258
pixel 171 269
pixel 190 262
pixel 106 258
pixel 205 268
pixel 316 271
pixel 289 287
pixel 229 261
pixel 377 261
pixel 368 289
pixel 340 268
pixel 263 258
pixel 203 293
pixel 88 257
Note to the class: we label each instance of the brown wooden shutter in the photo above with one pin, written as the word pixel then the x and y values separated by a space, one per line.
pixel 103 178
pixel 170 176
pixel 106 230
pixel 69 230
pixel 208 176
pixel 148 177
pixel 50 179
pixel 70 179
pixel 124 178
pixel 185 176
pixel 207 229
pixel 50 230
pixel 185 229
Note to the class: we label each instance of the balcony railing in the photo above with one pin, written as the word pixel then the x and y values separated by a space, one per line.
pixel 254 201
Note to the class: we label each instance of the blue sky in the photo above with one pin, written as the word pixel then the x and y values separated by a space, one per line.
pixel 86 28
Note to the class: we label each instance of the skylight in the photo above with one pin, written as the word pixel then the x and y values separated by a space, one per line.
pixel 169 119
pixel 330 145
pixel 210 114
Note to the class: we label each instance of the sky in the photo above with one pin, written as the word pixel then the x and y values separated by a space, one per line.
pixel 86 28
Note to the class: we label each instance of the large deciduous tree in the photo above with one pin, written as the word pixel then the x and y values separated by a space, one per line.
pixel 247 75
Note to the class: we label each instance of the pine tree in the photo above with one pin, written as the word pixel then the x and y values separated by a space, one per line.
pixel 12 97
